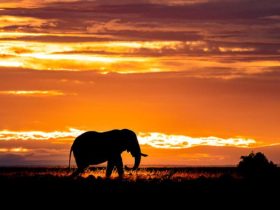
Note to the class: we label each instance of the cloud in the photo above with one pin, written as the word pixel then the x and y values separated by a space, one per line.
pixel 29 3
pixel 52 149
pixel 14 150
pixel 138 57
pixel 31 93
pixel 11 159
pixel 160 140
pixel 129 17
pixel 10 22
pixel 49 153
pixel 209 34
pixel 38 135
pixel 156 140
pixel 205 155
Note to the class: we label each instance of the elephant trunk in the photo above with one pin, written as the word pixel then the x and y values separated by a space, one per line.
pixel 137 161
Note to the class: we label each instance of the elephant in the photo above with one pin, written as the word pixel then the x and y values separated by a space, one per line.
pixel 92 148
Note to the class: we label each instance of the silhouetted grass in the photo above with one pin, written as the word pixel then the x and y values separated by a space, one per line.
pixel 190 181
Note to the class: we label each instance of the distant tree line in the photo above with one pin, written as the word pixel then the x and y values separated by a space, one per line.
pixel 256 165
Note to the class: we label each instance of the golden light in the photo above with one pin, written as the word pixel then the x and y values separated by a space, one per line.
pixel 6 20
pixel 122 56
pixel 161 140
pixel 29 3
pixel 85 58
pixel 10 63
pixel 38 135
pixel 235 49
pixel 32 92
pixel 14 150
pixel 153 139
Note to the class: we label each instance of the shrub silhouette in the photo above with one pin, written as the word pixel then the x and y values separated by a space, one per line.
pixel 256 165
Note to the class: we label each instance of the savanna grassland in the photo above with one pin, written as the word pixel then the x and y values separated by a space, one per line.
pixel 190 181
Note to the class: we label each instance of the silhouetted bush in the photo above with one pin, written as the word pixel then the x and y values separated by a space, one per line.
pixel 256 165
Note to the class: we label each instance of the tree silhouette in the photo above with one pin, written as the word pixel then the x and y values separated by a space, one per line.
pixel 256 165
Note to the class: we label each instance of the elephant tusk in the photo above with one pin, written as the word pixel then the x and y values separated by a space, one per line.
pixel 145 155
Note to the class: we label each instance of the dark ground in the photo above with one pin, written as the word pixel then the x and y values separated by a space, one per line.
pixel 180 184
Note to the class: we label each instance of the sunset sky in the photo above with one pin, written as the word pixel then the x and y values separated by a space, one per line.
pixel 197 80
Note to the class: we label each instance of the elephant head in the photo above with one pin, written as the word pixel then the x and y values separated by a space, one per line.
pixel 133 147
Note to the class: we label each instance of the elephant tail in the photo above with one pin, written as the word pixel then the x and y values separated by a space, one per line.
pixel 70 157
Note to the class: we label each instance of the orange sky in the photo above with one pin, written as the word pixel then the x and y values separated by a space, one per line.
pixel 198 81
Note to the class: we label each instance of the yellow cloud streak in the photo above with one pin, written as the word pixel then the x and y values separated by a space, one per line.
pixel 14 150
pixel 29 3
pixel 10 62
pixel 38 135
pixel 32 92
pixel 61 47
pixel 55 56
pixel 153 139
pixel 121 56
pixel 160 140
pixel 17 20
pixel 7 20
pixel 235 49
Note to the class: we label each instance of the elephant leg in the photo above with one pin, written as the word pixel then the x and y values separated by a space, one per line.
pixel 109 169
pixel 119 164
pixel 79 170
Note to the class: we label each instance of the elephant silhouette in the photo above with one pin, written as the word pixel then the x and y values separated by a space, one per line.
pixel 91 148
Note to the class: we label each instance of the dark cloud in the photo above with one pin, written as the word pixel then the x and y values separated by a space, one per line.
pixel 60 38
pixel 213 10
pixel 239 15
pixel 37 153
pixel 11 159
pixel 248 24
pixel 134 35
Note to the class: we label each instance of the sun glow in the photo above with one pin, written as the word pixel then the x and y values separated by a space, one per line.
pixel 121 56
pixel 153 139
pixel 160 140
pixel 73 56
pixel 8 63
